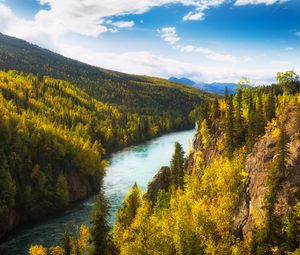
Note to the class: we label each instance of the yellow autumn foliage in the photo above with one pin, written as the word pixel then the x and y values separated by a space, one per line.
pixel 57 250
pixel 37 250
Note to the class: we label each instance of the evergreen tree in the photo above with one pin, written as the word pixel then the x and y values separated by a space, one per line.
pixel 239 122
pixel 215 110
pixel 177 171
pixel 61 193
pixel 282 151
pixel 132 202
pixel 67 242
pixel 270 105
pixel 229 135
pixel 251 130
pixel 100 229
pixel 7 190
pixel 292 231
pixel 260 120
pixel 205 133
pixel 226 94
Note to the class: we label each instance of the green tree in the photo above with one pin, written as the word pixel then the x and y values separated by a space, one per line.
pixel 205 133
pixel 251 130
pixel 288 80
pixel 177 170
pixel 67 242
pixel 7 191
pixel 100 229
pixel 259 118
pixel 132 202
pixel 292 230
pixel 270 105
pixel 61 193
pixel 215 110
pixel 226 94
pixel 229 132
pixel 239 121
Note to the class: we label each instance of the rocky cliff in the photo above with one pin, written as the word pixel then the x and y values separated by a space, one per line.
pixel 250 208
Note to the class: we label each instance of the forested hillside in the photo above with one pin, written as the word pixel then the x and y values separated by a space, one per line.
pixel 139 94
pixel 238 190
pixel 236 193
pixel 59 117
pixel 53 139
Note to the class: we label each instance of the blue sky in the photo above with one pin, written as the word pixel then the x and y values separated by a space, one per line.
pixel 205 40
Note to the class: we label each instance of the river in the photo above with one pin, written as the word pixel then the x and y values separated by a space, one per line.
pixel 134 164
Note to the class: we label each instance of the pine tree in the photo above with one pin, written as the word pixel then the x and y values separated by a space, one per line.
pixel 239 121
pixel 251 131
pixel 7 190
pixel 67 242
pixel 205 133
pixel 229 135
pixel 132 202
pixel 282 151
pixel 100 229
pixel 215 110
pixel 177 171
pixel 61 193
pixel 226 94
pixel 270 105
pixel 259 118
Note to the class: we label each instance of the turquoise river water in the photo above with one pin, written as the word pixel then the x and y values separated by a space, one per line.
pixel 134 164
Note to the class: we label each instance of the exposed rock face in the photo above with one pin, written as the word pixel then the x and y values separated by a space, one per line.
pixel 161 181
pixel 250 209
pixel 213 149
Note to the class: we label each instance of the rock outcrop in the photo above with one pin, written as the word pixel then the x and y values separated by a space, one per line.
pixel 250 208
pixel 161 181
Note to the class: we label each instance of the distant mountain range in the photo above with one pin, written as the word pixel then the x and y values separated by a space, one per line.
pixel 215 87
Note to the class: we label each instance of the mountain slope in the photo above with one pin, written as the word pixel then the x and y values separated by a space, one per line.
pixel 183 80
pixel 215 87
pixel 132 93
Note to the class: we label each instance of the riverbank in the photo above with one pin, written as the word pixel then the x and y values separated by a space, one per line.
pixel 137 163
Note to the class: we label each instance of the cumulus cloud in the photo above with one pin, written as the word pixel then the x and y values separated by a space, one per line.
pixel 194 16
pixel 93 17
pixel 169 34
pixel 146 63
pixel 266 2
pixel 124 24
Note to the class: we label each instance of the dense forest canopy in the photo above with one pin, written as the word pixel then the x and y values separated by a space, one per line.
pixel 139 94
pixel 60 117
pixel 194 214
pixel 53 140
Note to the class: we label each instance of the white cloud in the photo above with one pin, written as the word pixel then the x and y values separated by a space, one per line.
pixel 213 55
pixel 194 16
pixel 85 17
pixel 266 2
pixel 124 24
pixel 146 63
pixel 297 33
pixel 93 17
pixel 169 34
